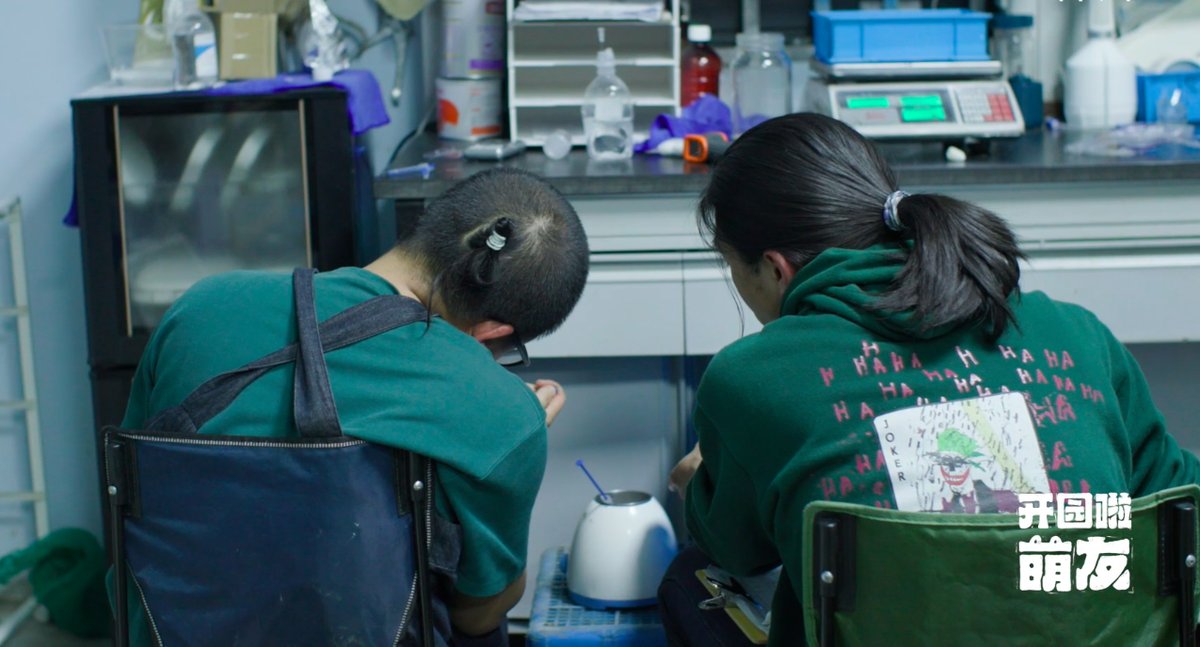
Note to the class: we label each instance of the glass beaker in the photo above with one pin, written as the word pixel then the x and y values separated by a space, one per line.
pixel 762 80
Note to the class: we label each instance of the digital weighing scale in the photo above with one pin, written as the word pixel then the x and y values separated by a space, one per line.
pixel 925 100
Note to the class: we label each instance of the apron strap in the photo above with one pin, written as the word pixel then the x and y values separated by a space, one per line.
pixel 312 398
pixel 348 327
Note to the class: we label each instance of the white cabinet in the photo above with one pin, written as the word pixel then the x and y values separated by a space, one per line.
pixel 1128 252
pixel 1141 297
pixel 713 314
pixel 632 306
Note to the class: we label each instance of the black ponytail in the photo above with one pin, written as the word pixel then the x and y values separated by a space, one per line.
pixel 961 267
pixel 476 270
pixel 467 277
pixel 803 183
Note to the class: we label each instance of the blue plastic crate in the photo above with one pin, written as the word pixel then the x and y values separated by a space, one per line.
pixel 900 35
pixel 1152 86
pixel 556 621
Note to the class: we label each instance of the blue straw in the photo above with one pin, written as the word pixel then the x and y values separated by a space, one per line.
pixel 603 495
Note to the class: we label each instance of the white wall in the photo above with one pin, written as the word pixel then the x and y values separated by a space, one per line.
pixel 416 91
pixel 52 50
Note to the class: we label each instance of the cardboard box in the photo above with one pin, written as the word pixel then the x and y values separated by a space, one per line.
pixel 288 9
pixel 248 45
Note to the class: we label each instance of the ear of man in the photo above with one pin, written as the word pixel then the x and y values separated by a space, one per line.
pixel 488 330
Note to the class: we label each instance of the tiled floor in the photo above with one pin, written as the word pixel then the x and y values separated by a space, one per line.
pixel 37 634
pixel 34 632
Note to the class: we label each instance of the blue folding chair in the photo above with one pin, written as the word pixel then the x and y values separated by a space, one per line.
pixel 318 539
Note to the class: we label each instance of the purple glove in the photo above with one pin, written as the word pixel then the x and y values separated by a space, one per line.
pixel 708 114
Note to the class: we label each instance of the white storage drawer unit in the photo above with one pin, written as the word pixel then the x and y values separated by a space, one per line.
pixel 632 306
pixel 550 65
pixel 1085 245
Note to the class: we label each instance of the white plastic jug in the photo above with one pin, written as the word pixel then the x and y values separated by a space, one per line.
pixel 1100 88
pixel 621 550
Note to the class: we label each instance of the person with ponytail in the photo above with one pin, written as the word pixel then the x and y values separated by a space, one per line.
pixel 498 260
pixel 880 306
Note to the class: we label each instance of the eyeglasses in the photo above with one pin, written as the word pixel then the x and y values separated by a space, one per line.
pixel 510 351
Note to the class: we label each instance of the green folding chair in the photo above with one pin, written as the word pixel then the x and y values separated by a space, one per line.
pixel 885 577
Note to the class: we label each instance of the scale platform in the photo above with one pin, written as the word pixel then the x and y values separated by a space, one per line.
pixel 947 101
pixel 907 71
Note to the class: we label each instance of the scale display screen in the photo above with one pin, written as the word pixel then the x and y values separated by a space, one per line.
pixel 894 108
pixel 926 109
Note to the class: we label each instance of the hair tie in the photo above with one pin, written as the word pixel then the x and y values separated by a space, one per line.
pixel 891 215
pixel 500 233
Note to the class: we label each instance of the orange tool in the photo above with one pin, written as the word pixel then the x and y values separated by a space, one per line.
pixel 704 148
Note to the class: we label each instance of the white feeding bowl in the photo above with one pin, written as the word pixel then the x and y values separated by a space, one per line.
pixel 621 549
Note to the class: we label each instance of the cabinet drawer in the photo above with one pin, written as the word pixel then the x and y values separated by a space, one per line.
pixel 632 306
pixel 714 315
pixel 1142 297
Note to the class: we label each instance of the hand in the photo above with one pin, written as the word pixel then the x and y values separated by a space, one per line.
pixel 551 395
pixel 684 470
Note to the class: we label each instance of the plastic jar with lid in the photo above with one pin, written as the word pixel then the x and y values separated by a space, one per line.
pixel 762 74
pixel 700 66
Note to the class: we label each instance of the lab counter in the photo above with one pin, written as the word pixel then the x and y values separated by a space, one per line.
pixel 1036 158
pixel 1121 236
pixel 1117 235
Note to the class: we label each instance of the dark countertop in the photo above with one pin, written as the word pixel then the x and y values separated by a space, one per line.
pixel 1035 158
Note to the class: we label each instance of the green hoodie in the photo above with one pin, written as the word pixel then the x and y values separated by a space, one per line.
pixel 788 416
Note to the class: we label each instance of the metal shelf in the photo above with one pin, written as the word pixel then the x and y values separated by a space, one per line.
pixel 551 63
pixel 10 214
pixel 591 62
pixel 573 102
pixel 22 497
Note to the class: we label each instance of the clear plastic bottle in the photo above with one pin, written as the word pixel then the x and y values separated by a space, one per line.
pixel 700 69
pixel 762 74
pixel 1011 31
pixel 608 112
pixel 194 42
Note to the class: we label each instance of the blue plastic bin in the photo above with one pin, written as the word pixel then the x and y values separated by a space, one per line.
pixel 1152 86
pixel 900 35
pixel 558 622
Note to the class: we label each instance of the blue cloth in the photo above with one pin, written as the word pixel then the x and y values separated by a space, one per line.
pixel 364 102
pixel 708 114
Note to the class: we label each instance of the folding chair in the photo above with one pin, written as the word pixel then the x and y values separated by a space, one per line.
pixel 884 577
pixel 319 539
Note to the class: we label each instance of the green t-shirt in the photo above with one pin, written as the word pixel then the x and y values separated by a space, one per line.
pixel 788 416
pixel 433 390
